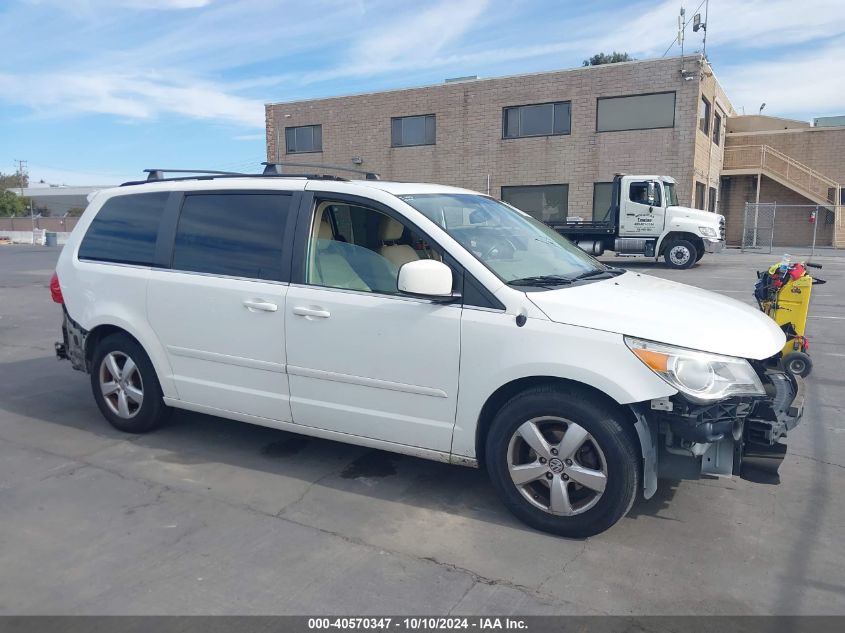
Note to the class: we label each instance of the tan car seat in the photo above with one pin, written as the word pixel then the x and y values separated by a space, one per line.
pixel 390 231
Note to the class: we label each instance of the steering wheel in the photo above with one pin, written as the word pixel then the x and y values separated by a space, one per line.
pixel 495 252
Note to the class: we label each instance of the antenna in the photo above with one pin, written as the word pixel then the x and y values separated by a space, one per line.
pixel 681 30
pixel 697 25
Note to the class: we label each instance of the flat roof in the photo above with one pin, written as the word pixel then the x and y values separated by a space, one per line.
pixel 48 192
pixel 444 84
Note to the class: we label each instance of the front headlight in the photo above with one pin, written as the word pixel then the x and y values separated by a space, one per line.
pixel 707 231
pixel 700 376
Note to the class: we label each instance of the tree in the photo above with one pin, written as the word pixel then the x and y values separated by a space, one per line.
pixel 603 58
pixel 11 181
pixel 12 204
pixel 74 212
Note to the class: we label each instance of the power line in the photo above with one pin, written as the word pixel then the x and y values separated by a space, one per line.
pixel 683 28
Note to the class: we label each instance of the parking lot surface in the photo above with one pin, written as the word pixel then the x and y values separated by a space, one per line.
pixel 212 516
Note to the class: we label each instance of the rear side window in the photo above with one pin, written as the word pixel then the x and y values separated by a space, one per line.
pixel 125 230
pixel 240 235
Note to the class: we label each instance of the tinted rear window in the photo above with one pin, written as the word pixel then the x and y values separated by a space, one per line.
pixel 125 230
pixel 240 235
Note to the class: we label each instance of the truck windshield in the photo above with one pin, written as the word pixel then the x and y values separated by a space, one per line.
pixel 671 194
pixel 517 248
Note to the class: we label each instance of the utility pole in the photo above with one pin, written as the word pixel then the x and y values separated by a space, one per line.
pixel 21 174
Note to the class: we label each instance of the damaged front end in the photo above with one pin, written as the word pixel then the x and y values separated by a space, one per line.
pixel 741 435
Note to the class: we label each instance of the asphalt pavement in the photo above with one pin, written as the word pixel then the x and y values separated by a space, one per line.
pixel 209 516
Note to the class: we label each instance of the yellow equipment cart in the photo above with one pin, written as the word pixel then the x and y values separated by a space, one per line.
pixel 783 292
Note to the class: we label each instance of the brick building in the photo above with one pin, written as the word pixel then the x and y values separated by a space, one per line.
pixel 774 160
pixel 548 142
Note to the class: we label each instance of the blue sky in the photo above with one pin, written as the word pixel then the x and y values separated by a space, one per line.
pixel 93 91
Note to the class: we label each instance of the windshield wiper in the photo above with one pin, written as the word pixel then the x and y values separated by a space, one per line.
pixel 541 280
pixel 613 272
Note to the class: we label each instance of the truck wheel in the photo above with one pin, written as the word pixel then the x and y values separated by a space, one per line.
pixel 700 254
pixel 562 462
pixel 797 363
pixel 680 254
pixel 125 385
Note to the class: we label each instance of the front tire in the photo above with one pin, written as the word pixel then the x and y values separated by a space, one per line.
pixel 125 385
pixel 680 254
pixel 562 462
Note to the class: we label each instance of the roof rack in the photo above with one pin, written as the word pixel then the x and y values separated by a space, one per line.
pixel 158 175
pixel 274 168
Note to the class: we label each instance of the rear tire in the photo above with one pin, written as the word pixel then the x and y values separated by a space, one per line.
pixel 125 385
pixel 680 254
pixel 546 483
pixel 797 363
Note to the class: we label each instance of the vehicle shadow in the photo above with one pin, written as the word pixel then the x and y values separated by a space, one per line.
pixel 190 439
pixel 640 263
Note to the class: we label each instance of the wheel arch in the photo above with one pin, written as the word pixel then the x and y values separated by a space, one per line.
pixel 696 240
pixel 507 391
pixel 148 343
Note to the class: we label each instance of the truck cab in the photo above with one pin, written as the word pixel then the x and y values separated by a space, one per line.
pixel 644 218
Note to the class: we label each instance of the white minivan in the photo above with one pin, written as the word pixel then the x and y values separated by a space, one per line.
pixel 423 319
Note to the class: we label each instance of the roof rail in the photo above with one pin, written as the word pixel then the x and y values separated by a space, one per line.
pixel 158 174
pixel 274 168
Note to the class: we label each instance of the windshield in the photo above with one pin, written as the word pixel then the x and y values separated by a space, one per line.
pixel 671 194
pixel 512 244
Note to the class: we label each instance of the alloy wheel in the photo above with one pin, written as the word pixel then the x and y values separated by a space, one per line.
pixel 557 466
pixel 121 384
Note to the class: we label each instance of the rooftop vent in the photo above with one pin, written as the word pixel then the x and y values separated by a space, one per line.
pixel 454 80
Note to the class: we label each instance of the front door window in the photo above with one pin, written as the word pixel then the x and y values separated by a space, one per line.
pixel 357 248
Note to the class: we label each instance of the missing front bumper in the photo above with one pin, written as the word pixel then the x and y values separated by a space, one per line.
pixel 739 436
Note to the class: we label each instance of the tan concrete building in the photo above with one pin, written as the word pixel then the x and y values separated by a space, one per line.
pixel 565 130
pixel 798 167
pixel 551 142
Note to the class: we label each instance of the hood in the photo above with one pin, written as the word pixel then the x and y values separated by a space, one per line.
pixel 666 312
pixel 705 217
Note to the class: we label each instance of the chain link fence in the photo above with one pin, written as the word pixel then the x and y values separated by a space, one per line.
pixel 768 225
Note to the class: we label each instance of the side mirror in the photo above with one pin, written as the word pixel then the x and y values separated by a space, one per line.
pixel 651 193
pixel 426 278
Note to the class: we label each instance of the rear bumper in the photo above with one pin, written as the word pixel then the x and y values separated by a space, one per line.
pixel 72 345
pixel 713 245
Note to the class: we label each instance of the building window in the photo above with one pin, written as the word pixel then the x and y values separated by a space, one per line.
pixel 305 138
pixel 602 201
pixel 700 192
pixel 547 203
pixel 635 112
pixel 704 116
pixel 711 200
pixel 542 119
pixel 412 130
pixel 717 128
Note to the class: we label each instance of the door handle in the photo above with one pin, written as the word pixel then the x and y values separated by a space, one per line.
pixel 317 313
pixel 258 304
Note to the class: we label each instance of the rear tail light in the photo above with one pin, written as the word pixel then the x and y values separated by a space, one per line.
pixel 56 289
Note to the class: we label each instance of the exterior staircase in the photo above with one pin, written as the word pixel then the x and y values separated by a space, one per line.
pixel 766 161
